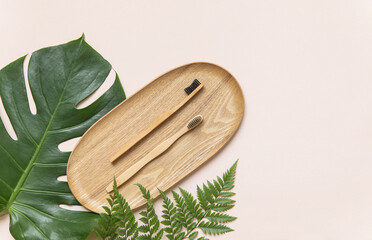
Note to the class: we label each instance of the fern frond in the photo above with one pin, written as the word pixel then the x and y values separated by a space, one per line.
pixel 227 194
pixel 203 238
pixel 143 237
pixel 214 228
pixel 213 189
pixel 145 192
pixel 221 207
pixel 218 193
pixel 202 198
pixel 118 221
pixel 107 225
pixel 229 178
pixel 159 235
pixel 192 205
pixel 193 235
pixel 181 218
pixel 224 200
pixel 220 217
pixel 213 198
pixel 149 218
pixel 169 215
pixel 105 228
pixel 183 214
pixel 126 222
pixel 208 194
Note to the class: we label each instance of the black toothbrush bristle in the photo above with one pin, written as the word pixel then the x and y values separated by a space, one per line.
pixel 192 87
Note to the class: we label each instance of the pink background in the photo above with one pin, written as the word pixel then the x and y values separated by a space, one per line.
pixel 305 143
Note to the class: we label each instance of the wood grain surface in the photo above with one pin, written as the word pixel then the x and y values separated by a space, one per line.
pixel 153 154
pixel 220 102
pixel 156 123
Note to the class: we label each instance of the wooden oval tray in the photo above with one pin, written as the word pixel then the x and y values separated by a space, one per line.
pixel 220 102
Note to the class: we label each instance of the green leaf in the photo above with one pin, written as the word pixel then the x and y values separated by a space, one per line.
pixel 193 235
pixel 118 221
pixel 159 235
pixel 222 207
pixel 143 229
pixel 170 214
pixel 214 228
pixel 145 192
pixel 182 212
pixel 213 190
pixel 191 204
pixel 227 194
pixel 220 218
pixel 150 219
pixel 180 236
pixel 229 177
pixel 223 200
pixel 202 198
pixel 143 237
pixel 181 220
pixel 208 195
pixel 60 78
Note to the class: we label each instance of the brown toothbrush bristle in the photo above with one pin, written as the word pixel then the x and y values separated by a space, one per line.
pixel 195 122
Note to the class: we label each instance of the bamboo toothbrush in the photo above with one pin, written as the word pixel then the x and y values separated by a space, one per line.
pixel 190 90
pixel 194 122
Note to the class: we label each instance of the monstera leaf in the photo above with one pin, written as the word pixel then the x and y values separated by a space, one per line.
pixel 60 78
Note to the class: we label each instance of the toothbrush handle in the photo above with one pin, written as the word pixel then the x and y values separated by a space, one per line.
pixel 154 125
pixel 122 178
